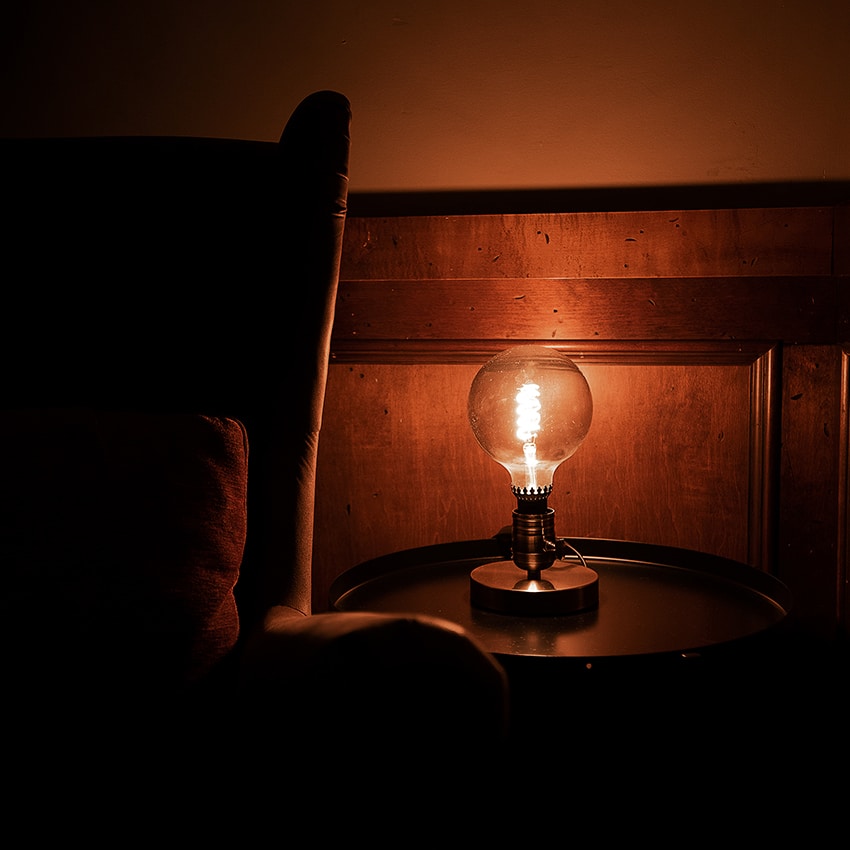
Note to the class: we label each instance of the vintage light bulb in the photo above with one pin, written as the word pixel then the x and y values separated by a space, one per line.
pixel 530 408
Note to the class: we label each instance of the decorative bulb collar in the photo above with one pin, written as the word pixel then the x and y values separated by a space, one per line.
pixel 529 493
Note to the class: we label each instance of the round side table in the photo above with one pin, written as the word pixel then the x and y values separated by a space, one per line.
pixel 656 603
pixel 679 636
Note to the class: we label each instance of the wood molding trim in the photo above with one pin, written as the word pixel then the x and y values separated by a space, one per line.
pixel 765 412
pixel 632 352
pixel 843 534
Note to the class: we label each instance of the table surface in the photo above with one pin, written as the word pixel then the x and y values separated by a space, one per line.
pixel 654 601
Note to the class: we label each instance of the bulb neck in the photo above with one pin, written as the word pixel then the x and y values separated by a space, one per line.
pixel 532 500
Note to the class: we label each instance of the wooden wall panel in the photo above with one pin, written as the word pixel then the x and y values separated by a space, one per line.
pixel 810 498
pixel 712 343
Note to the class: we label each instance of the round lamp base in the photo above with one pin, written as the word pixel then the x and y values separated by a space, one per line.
pixel 502 587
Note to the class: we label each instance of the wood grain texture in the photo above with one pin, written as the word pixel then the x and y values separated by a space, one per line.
pixel 797 310
pixel 685 243
pixel 810 501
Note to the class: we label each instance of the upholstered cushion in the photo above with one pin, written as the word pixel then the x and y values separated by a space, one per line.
pixel 121 538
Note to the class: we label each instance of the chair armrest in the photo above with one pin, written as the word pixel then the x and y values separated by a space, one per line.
pixel 380 681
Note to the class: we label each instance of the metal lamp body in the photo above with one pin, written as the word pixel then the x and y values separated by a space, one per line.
pixel 532 584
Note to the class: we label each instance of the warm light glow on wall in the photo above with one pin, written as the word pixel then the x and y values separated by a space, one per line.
pixel 470 95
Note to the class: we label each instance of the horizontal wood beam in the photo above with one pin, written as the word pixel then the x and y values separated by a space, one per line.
pixel 793 310
pixel 683 243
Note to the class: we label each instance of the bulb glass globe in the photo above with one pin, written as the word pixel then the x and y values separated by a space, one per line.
pixel 530 408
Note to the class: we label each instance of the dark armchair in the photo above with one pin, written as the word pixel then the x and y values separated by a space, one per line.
pixel 167 310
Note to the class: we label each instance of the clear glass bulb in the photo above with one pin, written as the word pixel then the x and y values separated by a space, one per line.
pixel 530 409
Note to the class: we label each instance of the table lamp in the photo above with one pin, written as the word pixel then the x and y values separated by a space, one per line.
pixel 530 408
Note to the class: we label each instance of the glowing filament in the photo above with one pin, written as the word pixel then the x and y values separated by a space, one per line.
pixel 528 425
pixel 527 412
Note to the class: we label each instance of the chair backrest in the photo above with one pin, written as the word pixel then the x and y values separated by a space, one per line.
pixel 193 276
